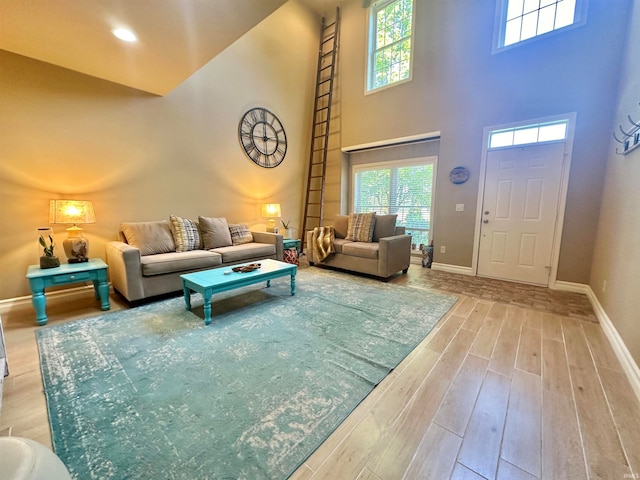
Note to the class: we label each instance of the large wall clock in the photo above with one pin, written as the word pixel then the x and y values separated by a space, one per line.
pixel 262 136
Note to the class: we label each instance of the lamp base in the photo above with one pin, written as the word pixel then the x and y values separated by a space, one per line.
pixel 76 248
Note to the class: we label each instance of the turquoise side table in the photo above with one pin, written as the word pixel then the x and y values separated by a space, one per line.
pixel 292 243
pixel 94 270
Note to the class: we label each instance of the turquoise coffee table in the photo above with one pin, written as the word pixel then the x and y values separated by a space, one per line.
pixel 217 280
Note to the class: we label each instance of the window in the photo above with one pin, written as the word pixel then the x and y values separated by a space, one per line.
pixel 537 133
pixel 390 34
pixel 404 188
pixel 521 20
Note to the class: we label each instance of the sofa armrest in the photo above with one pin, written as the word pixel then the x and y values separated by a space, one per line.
pixel 271 238
pixel 394 254
pixel 125 270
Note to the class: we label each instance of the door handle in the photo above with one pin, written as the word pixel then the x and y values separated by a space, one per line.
pixel 485 221
pixel 486 212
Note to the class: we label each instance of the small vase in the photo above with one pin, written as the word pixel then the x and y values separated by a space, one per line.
pixel 49 262
pixel 287 233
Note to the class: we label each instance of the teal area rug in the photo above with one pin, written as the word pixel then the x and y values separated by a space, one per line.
pixel 152 392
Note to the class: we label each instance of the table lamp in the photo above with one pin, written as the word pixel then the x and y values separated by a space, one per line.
pixel 271 211
pixel 76 247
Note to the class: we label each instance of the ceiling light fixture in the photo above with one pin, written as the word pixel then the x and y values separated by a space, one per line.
pixel 124 34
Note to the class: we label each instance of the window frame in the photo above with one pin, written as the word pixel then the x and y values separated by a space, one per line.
pixel 529 127
pixel 580 19
pixel 431 160
pixel 371 50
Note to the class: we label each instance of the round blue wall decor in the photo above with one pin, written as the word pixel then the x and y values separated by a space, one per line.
pixel 459 175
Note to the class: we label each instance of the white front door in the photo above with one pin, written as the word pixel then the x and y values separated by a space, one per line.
pixel 519 212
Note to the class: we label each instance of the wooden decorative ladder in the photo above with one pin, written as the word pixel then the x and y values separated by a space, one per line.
pixel 327 55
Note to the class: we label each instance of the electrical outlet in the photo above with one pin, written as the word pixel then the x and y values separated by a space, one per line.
pixel 459 207
pixel 443 249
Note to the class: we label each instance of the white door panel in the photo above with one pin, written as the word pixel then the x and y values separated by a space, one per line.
pixel 520 209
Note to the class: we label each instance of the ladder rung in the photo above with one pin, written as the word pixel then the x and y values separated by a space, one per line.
pixel 329 38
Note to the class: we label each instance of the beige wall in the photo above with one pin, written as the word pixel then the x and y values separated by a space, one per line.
pixel 459 87
pixel 141 157
pixel 617 254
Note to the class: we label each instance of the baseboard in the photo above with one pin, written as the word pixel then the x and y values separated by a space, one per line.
pixel 571 287
pixel 629 365
pixel 68 294
pixel 444 267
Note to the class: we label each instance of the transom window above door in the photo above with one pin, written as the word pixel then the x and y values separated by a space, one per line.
pixel 529 134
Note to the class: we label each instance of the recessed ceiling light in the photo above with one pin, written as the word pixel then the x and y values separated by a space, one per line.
pixel 124 34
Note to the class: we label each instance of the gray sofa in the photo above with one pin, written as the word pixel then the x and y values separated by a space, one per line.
pixel 149 257
pixel 388 252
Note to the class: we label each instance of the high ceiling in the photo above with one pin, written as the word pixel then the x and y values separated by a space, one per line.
pixel 176 37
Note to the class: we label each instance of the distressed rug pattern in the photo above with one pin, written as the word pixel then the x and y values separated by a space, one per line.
pixel 152 392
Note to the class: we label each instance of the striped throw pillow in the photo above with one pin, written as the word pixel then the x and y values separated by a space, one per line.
pixel 185 234
pixel 240 233
pixel 360 227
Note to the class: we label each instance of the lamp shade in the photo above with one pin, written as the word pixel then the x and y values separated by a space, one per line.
pixel 271 210
pixel 71 211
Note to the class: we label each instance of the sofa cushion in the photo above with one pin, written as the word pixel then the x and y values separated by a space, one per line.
pixel 149 237
pixel 185 234
pixel 179 262
pixel 385 226
pixel 341 225
pixel 215 232
pixel 361 249
pixel 339 243
pixel 240 233
pixel 246 251
pixel 360 227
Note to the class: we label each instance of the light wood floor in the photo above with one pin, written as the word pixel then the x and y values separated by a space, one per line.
pixel 496 391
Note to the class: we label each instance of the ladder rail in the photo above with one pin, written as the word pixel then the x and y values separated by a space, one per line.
pixel 324 77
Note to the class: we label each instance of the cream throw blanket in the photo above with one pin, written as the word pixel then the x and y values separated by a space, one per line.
pixel 322 240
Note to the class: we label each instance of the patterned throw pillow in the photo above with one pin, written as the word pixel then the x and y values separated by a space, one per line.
pixel 360 227
pixel 185 234
pixel 240 233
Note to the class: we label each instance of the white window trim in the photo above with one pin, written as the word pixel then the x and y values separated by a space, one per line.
pixel 500 26
pixel 370 47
